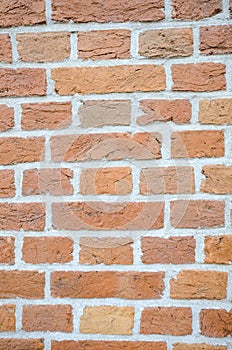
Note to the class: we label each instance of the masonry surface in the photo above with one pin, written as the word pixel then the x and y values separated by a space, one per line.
pixel 115 174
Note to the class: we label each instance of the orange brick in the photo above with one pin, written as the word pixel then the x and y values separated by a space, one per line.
pixel 100 80
pixel 199 77
pixel 7 250
pixel 197 214
pixel 106 181
pixel 195 10
pixel 217 111
pixel 216 323
pixel 218 249
pixel 109 345
pixel 6 118
pixel 5 48
pixel 7 185
pixel 19 344
pixel 22 284
pixel 197 143
pixel 184 346
pixel 104 44
pixel 108 216
pixel 166 320
pixel 54 181
pixel 53 318
pixel 216 40
pixel 7 318
pixel 173 250
pixel 40 250
pixel 217 179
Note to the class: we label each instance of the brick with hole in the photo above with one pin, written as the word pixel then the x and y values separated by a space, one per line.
pixel 218 249
pixel 216 323
pixel 215 111
pixel 218 179
pixel 7 318
pixel 5 48
pixel 7 246
pixel 216 40
pixel 6 117
pixel 195 10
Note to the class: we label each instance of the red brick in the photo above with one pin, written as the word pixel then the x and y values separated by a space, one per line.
pixel 104 44
pixel 216 40
pixel 216 111
pixel 7 250
pixel 110 11
pixel 218 179
pixel 166 320
pixel 108 216
pixel 195 10
pixel 108 345
pixel 184 346
pixel 218 249
pixel 22 284
pixel 5 48
pixel 54 181
pixel 110 146
pixel 199 77
pixel 7 318
pixel 216 323
pixel 46 115
pixel 7 185
pixel 41 250
pixel 173 250
pixel 53 318
pixel 197 214
pixel 22 82
pixel 19 344
pixel 6 118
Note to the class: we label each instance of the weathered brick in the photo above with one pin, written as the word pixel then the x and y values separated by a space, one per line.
pixel 7 185
pixel 7 250
pixel 218 179
pixel 197 143
pixel 199 77
pixel 106 250
pixel 110 146
pixel 197 213
pixel 177 111
pixel 40 250
pixel 166 320
pixel 108 11
pixel 19 344
pixel 53 318
pixel 216 111
pixel 6 118
pixel 195 10
pixel 108 216
pixel 98 113
pixel 104 44
pixel 22 82
pixel 184 346
pixel 5 48
pixel 107 284
pixel 22 12
pixel 196 284
pixel 173 250
pixel 106 181
pixel 216 40
pixel 21 150
pixel 22 284
pixel 109 345
pixel 174 42
pixel 107 320
pixel 100 80
pixel 56 182
pixel 46 115
pixel 170 180
pixel 216 323
pixel 218 249
pixel 7 318
pixel 43 47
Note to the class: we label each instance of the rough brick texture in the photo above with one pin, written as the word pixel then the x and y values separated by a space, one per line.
pixel 7 318
pixel 195 10
pixel 218 249
pixel 216 40
pixel 7 185
pixel 217 179
pixel 6 118
pixel 216 323
pixel 216 111
pixel 7 250
pixel 5 48
pixel 108 345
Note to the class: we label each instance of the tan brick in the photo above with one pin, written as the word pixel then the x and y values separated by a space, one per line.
pixel 216 111
pixel 172 180
pixel 53 318
pixel 110 146
pixel 218 249
pixel 108 11
pixel 22 284
pixel 195 10
pixel 54 181
pixel 177 111
pixel 108 216
pixel 218 179
pixel 166 320
pixel 98 113
pixel 106 181
pixel 200 77
pixel 107 320
pixel 43 47
pixel 21 150
pixel 46 115
pixel 7 185
pixel 21 12
pixel 5 48
pixel 7 250
pixel 197 214
pixel 173 250
pixel 100 80
pixel 184 346
pixel 216 323
pixel 104 44
pixel 40 250
pixel 7 318
pixel 22 82
pixel 107 284
pixel 216 40
pixel 173 42
pixel 190 284
pixel 197 143
pixel 6 118
pixel 19 344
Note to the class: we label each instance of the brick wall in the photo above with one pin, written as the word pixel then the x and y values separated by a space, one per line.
pixel 115 174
